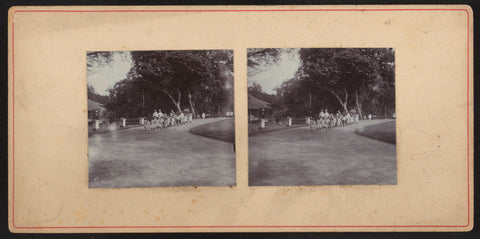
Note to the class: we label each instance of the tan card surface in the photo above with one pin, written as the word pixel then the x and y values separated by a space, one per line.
pixel 57 185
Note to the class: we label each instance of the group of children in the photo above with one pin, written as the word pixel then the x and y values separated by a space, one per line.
pixel 326 121
pixel 161 120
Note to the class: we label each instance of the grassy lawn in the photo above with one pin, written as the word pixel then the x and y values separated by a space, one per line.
pixel 384 132
pixel 222 130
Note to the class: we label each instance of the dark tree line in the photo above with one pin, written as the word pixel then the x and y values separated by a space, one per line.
pixel 338 79
pixel 93 95
pixel 200 81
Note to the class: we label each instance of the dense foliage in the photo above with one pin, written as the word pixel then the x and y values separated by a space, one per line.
pixel 337 79
pixel 200 81
pixel 91 94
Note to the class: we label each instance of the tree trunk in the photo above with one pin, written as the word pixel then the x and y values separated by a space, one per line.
pixel 192 107
pixel 343 104
pixel 179 108
pixel 175 102
pixel 358 105
pixel 310 101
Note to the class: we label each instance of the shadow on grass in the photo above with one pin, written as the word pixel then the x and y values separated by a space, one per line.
pixel 221 130
pixel 384 132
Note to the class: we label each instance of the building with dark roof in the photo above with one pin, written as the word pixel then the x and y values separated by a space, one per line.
pixel 257 108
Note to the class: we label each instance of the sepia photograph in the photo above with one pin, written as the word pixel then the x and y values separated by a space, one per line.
pixel 160 118
pixel 321 116
pixel 222 119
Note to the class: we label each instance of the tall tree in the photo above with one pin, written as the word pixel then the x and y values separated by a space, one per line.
pixel 344 71
pixel 93 95
pixel 199 80
pixel 169 72
pixel 319 69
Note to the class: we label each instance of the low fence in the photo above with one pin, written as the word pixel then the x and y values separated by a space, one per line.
pixel 295 121
pixel 299 120
pixel 269 122
pixel 122 122
pixel 132 121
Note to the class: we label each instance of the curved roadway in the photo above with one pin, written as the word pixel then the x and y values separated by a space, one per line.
pixel 334 157
pixel 168 157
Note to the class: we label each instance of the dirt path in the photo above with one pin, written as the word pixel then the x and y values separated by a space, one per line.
pixel 334 157
pixel 169 157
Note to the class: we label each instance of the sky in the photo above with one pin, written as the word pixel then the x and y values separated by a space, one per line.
pixel 274 75
pixel 269 78
pixel 105 77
